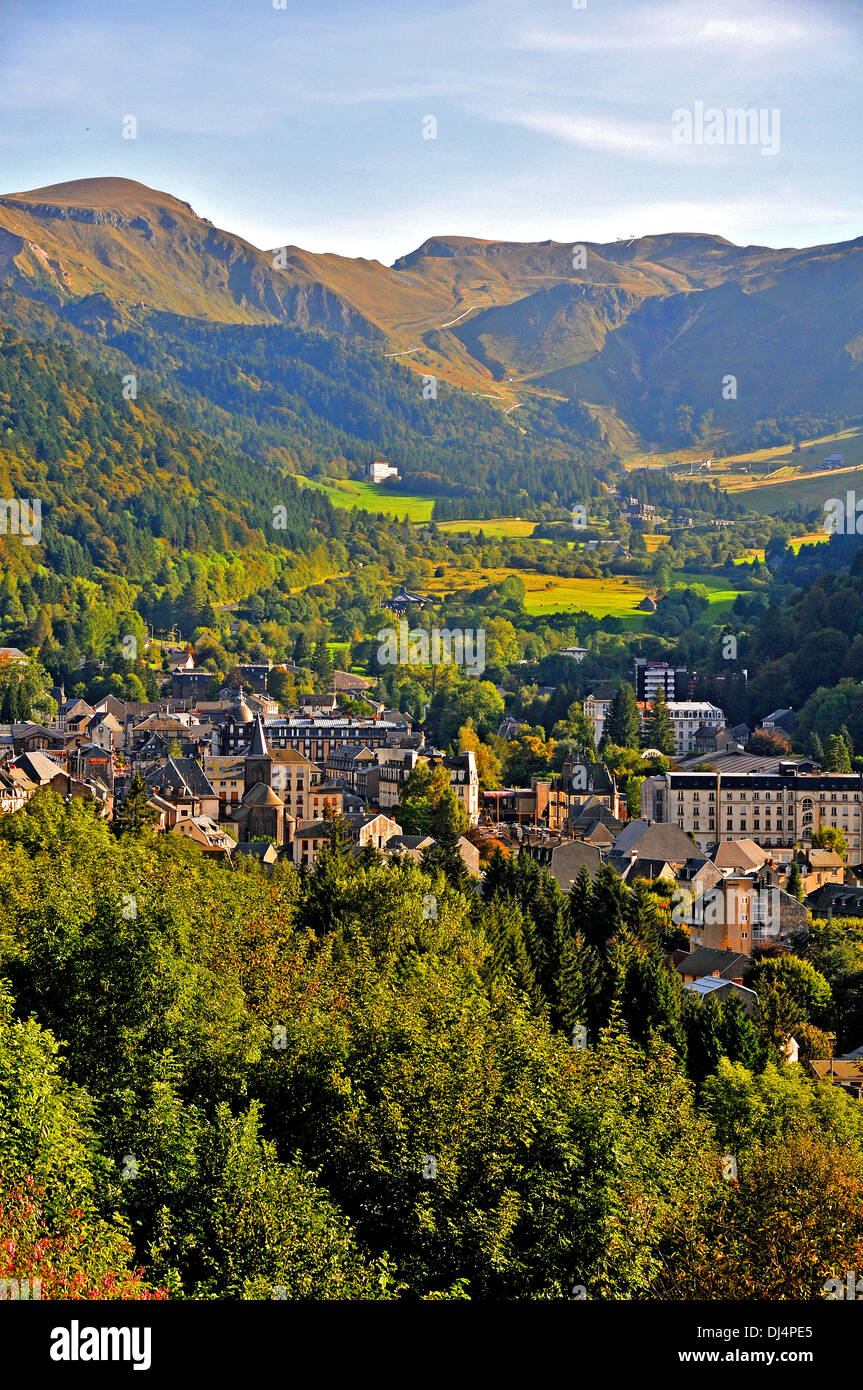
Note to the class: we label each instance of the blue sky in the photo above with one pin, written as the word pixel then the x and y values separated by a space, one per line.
pixel 305 124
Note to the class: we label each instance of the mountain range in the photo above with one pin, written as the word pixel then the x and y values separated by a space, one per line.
pixel 630 343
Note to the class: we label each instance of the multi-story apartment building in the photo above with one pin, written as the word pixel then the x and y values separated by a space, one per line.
pixel 687 716
pixel 775 808
pixel 226 777
pixel 357 765
pixel 651 676
pixel 313 737
pixel 596 705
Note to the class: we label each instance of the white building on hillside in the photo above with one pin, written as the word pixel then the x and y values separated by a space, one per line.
pixel 376 472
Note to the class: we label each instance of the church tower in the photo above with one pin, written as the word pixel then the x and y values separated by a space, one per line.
pixel 259 763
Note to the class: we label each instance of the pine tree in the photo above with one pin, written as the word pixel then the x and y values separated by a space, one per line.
pixel 132 813
pixel 503 924
pixel 642 915
pixel 739 1036
pixel 9 703
pixel 837 758
pixel 322 664
pixel 795 881
pixel 580 986
pixel 623 723
pixel 497 876
pixel 580 903
pixel 659 732
pixel 302 647
pixel 607 909
pixel 651 1002
pixel 445 855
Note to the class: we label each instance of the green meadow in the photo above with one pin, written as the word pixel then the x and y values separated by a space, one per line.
pixel 617 597
pixel 368 497
pixel 504 526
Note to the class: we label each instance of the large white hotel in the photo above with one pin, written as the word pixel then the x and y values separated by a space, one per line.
pixel 775 808
pixel 687 717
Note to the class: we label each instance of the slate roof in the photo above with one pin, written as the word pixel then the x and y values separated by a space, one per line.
pixel 648 869
pixel 254 849
pixel 258 745
pixel 654 840
pixel 182 775
pixel 837 899
pixel 38 766
pixel 704 960
pixel 824 859
pixel 568 858
pixel 406 842
pixel 261 795
pixel 707 986
pixel 745 855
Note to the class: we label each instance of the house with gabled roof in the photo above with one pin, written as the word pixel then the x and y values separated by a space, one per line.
pixel 710 961
pixel 372 829
pixel 264 851
pixel 564 859
pixel 709 987
pixel 656 840
pixel 206 833
pixel 183 783
pixel 820 866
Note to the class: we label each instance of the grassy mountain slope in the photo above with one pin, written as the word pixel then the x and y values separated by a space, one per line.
pixel 642 334
pixel 118 246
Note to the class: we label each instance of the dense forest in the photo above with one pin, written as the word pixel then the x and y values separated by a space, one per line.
pixel 308 401
pixel 218 1084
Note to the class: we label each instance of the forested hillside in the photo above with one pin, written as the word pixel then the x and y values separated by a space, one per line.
pixel 218 1085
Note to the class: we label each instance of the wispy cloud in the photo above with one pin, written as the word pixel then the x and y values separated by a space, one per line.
pixel 676 27
pixel 304 125
pixel 604 134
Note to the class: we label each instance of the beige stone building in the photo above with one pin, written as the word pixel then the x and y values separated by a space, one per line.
pixel 776 809
pixel 298 782
pixel 373 829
